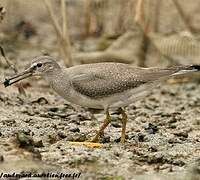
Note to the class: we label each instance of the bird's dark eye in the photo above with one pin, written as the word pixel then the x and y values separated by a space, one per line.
pixel 39 64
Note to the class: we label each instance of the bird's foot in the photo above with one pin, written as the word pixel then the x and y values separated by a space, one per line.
pixel 101 130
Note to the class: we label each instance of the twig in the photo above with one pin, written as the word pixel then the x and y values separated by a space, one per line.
pixel 139 12
pixel 7 61
pixel 122 15
pixel 87 9
pixel 12 66
pixel 64 20
pixel 53 18
pixel 156 15
pixel 139 19
pixel 182 16
pixel 63 34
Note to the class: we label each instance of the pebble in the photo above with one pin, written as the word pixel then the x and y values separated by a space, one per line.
pixel 151 128
pixel 76 129
pixel 1 158
pixel 181 134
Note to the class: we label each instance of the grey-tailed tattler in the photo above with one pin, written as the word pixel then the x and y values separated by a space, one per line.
pixel 100 85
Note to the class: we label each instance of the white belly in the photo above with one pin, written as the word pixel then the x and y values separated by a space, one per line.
pixel 115 101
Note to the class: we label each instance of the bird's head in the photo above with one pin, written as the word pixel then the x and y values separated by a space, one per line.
pixel 43 65
pixel 40 66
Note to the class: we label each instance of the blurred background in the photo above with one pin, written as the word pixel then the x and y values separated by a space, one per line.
pixel 163 129
pixel 140 32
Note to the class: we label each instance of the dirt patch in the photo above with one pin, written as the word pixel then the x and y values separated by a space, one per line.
pixel 162 134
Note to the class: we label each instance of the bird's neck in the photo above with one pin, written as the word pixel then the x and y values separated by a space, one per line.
pixel 58 81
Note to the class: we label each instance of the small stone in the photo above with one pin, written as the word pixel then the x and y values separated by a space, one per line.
pixel 77 137
pixel 151 129
pixel 41 101
pixel 119 139
pixel 24 139
pixel 62 135
pixel 27 131
pixel 105 139
pixel 38 143
pixel 181 134
pixel 140 137
pixel 153 149
pixel 52 138
pixel 80 137
pixel 172 120
pixel 1 158
pixel 53 109
pixel 178 162
pixel 76 129
pixel 116 124
pixel 173 140
pixel 36 154
pixel 172 126
pixel 157 158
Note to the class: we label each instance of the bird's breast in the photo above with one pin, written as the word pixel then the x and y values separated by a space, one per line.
pixel 66 90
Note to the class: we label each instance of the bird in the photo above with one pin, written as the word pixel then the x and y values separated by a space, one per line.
pixel 108 85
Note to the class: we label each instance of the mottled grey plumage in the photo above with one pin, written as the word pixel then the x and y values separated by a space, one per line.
pixel 100 85
pixel 105 79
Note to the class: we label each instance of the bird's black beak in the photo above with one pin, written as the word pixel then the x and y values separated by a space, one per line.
pixel 18 77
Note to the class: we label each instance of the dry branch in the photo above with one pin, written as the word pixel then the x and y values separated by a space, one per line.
pixel 139 13
pixel 63 34
pixel 87 9
pixel 182 16
pixel 129 48
pixel 64 19
pixel 157 15
pixel 12 66
pixel 125 49
pixel 132 47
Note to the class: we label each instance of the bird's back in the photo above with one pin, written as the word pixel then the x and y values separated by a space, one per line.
pixel 110 84
pixel 105 79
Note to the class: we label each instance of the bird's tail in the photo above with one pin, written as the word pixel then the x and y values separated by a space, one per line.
pixel 186 69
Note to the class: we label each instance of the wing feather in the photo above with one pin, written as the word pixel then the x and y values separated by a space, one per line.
pixel 103 80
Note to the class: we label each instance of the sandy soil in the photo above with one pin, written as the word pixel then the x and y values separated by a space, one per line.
pixel 162 135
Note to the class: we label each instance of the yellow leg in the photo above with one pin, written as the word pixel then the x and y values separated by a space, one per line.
pixel 124 122
pixel 101 130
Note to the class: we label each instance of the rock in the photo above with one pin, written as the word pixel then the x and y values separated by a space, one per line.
pixel 41 101
pixel 62 134
pixel 153 149
pixel 140 137
pixel 1 158
pixel 116 124
pixel 38 143
pixel 156 158
pixel 178 162
pixel 76 129
pixel 79 137
pixel 181 134
pixel 105 139
pixel 151 129
pixel 24 140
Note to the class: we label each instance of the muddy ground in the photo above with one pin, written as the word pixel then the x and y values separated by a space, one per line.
pixel 163 137
pixel 163 131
